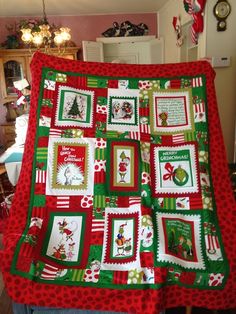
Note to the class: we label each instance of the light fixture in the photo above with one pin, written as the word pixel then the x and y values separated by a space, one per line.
pixel 42 34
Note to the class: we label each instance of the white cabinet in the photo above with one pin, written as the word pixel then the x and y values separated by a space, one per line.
pixel 133 50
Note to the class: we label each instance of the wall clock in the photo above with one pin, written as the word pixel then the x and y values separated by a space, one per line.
pixel 221 11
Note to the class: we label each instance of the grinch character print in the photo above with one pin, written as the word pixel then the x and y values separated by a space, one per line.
pixel 180 239
pixel 123 238
pixel 175 169
pixel 71 166
pixel 64 238
pixel 123 166
pixel 123 109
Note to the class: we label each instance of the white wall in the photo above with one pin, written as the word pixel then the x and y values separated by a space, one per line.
pixel 224 44
pixel 211 43
pixel 166 30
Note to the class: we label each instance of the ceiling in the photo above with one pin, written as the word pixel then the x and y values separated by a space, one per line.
pixel 77 7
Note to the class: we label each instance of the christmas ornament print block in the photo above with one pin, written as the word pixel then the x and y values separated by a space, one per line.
pixel 174 170
pixel 123 167
pixel 121 239
pixel 70 166
pixel 179 240
pixel 74 107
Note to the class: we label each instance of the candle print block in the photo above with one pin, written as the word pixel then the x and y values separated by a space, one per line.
pixel 70 166
pixel 75 107
pixel 123 107
pixel 172 111
pixel 64 239
pixel 174 170
pixel 123 167
pixel 179 238
pixel 121 238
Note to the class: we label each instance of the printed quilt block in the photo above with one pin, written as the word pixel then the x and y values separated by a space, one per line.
pixel 179 240
pixel 123 110
pixel 172 111
pixel 123 167
pixel 121 238
pixel 63 239
pixel 75 107
pixel 175 170
pixel 70 166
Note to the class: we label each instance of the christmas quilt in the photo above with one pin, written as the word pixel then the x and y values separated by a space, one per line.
pixel 124 201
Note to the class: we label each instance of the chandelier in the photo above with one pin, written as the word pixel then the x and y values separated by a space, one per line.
pixel 42 34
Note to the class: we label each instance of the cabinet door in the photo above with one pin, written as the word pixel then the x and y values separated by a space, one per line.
pixel 14 70
pixel 3 93
pixel 156 50
pixel 140 52
pixel 122 52
pixel 93 51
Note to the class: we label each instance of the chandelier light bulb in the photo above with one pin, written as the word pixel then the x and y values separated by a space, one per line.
pixel 58 39
pixel 45 30
pixel 26 35
pixel 65 33
pixel 37 39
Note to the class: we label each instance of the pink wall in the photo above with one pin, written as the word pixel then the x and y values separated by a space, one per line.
pixel 88 27
pixel 84 28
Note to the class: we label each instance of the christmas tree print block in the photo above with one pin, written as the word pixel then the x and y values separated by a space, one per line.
pixel 174 170
pixel 121 239
pixel 64 238
pixel 123 167
pixel 171 111
pixel 123 109
pixel 75 107
pixel 179 240
pixel 70 166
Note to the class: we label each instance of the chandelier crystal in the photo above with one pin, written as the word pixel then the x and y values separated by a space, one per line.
pixel 45 35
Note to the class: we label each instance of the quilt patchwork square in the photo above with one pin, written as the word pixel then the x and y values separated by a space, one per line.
pixel 172 111
pixel 179 240
pixel 70 166
pixel 63 238
pixel 123 167
pixel 123 109
pixel 121 238
pixel 75 107
pixel 174 170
